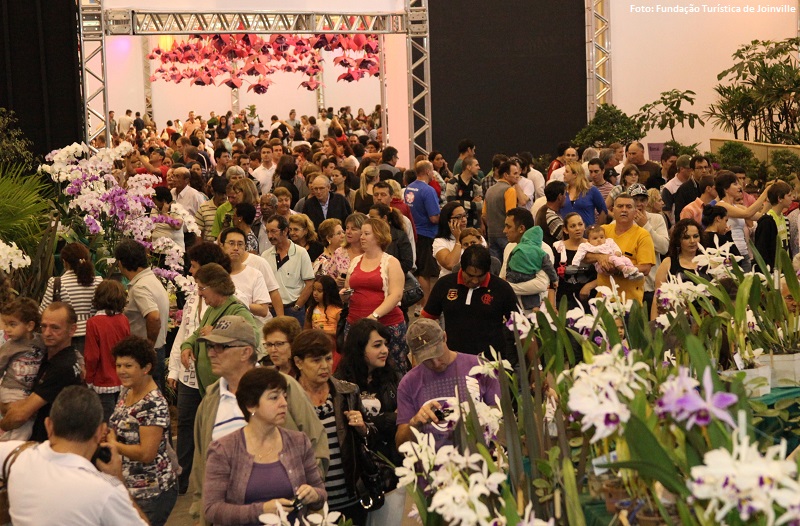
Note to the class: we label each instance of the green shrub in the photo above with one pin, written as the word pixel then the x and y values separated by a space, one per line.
pixel 610 124
pixel 786 164
pixel 737 154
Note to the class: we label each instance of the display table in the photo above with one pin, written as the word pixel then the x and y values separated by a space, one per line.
pixel 594 511
pixel 773 427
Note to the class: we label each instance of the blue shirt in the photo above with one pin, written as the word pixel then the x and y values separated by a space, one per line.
pixel 423 203
pixel 585 206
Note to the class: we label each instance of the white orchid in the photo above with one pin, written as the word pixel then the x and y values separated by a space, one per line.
pixel 602 387
pixel 12 257
pixel 529 519
pixel 675 294
pixel 325 518
pixel 717 259
pixel 745 480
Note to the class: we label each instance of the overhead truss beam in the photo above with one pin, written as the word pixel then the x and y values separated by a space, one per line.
pixel 129 22
pixel 598 54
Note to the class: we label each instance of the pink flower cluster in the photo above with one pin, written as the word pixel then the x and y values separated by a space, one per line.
pixel 229 59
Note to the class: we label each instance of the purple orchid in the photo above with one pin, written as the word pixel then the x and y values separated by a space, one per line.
pixel 701 409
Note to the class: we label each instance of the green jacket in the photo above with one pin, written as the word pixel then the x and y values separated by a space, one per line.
pixel 300 416
pixel 231 307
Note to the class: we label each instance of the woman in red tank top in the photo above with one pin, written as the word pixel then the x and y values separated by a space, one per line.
pixel 377 281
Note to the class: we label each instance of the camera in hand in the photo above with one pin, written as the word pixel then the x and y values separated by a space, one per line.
pixel 103 454
pixel 443 413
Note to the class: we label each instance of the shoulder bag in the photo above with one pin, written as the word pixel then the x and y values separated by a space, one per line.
pixel 376 475
pixel 412 292
pixel 5 505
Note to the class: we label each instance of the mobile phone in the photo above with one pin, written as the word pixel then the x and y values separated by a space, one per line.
pixel 103 454
pixel 298 505
pixel 347 291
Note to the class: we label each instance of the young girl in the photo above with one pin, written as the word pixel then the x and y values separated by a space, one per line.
pixel 20 357
pixel 324 309
pixel 103 331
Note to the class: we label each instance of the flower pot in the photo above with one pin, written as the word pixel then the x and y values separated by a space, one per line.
pixel 754 388
pixel 613 492
pixel 785 369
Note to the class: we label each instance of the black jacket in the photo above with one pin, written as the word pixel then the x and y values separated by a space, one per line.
pixel 400 248
pixel 338 207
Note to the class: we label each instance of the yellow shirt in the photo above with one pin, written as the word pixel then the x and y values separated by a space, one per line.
pixel 637 245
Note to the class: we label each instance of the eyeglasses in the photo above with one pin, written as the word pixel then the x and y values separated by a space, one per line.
pixel 458 217
pixel 201 289
pixel 275 345
pixel 219 347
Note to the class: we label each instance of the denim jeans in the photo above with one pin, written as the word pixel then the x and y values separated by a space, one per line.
pixel 158 508
pixel 188 402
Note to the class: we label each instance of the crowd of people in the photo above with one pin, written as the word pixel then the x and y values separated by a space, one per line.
pixel 339 301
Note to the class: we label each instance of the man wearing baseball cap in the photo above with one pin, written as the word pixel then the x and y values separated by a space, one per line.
pixel 231 348
pixel 428 391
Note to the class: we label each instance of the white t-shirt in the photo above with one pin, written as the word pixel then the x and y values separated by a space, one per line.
pixel 251 288
pixel 264 177
pixel 64 488
pixel 558 174
pixel 261 265
pixel 529 189
pixel 439 244
pixel 537 178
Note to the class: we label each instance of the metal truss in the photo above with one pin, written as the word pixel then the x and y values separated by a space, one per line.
pixel 91 48
pixel 95 23
pixel 419 75
pixel 129 22
pixel 598 55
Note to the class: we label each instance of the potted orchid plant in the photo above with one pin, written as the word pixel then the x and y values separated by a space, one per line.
pixel 97 209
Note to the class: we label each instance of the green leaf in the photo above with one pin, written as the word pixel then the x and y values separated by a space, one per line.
pixel 575 515
pixel 653 461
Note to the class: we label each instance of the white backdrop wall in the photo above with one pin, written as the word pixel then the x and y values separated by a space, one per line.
pixel 656 52
pixel 170 100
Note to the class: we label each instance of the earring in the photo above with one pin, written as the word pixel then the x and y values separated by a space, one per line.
pixel 252 413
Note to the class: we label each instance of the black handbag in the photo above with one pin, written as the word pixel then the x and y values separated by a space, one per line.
pixel 412 292
pixel 376 476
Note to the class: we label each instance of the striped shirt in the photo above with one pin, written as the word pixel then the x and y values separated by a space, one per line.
pixel 77 295
pixel 334 480
pixel 205 219
pixel 229 415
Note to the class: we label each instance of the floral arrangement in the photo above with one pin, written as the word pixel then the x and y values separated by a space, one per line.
pixel 229 59
pixel 602 389
pixel 12 258
pixel 746 485
pixel 718 260
pixel 96 207
pixel 324 518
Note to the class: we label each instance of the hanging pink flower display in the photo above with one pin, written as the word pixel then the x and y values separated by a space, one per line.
pixel 231 60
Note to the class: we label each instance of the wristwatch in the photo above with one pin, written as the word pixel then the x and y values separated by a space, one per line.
pixel 375 315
